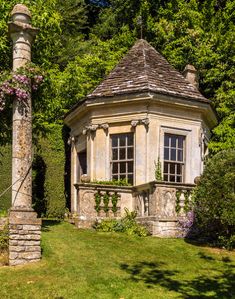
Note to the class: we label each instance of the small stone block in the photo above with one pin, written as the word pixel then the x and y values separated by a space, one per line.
pixel 30 255
pixel 31 243
pixel 16 248
pixel 32 248
pixel 35 232
pixel 32 227
pixel 13 255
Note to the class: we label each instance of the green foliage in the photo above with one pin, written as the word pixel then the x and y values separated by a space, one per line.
pixel 106 202
pixel 177 201
pixel 215 199
pixel 121 182
pixel 3 213
pixel 48 186
pixel 97 201
pixel 187 203
pixel 5 177
pixel 4 238
pixel 114 199
pixel 127 225
pixel 158 170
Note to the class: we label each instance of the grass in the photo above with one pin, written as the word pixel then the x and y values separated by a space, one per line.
pixel 86 264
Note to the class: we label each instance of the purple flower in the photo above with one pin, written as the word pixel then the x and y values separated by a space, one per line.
pixel 34 86
pixel 188 220
pixel 38 79
pixel 21 94
pixel 22 79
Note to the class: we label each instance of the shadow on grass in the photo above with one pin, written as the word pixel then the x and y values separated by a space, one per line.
pixel 218 283
pixel 151 274
pixel 47 223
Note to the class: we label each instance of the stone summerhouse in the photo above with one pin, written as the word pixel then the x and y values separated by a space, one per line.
pixel 144 115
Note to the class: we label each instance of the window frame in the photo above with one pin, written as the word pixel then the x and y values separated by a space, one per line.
pixel 182 131
pixel 175 162
pixel 117 175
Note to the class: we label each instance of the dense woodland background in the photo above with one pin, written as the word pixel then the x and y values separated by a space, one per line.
pixel 80 41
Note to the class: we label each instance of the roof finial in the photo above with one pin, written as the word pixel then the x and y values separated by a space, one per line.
pixel 140 23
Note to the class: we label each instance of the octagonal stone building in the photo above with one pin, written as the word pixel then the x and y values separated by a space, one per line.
pixel 144 118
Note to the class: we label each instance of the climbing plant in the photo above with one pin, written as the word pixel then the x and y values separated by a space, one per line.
pixel 20 83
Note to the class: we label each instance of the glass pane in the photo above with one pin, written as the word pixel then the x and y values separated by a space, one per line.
pixel 115 154
pixel 180 141
pixel 130 153
pixel 173 141
pixel 130 166
pixel 115 177
pixel 166 153
pixel 165 167
pixel 114 141
pixel 166 140
pixel 172 168
pixel 130 139
pixel 123 167
pixel 130 179
pixel 122 154
pixel 122 176
pixel 180 155
pixel 166 178
pixel 115 168
pixel 179 169
pixel 173 155
pixel 172 178
pixel 178 179
pixel 122 140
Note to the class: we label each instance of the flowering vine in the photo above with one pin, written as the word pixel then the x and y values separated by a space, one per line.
pixel 20 83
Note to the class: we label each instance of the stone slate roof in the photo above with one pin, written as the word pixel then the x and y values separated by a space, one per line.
pixel 143 69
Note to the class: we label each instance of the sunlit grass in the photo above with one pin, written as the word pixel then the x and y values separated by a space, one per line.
pixel 86 264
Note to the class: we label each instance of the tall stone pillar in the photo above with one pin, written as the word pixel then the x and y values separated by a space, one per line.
pixel 24 226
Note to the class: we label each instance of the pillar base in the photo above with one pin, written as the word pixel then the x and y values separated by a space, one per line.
pixel 24 236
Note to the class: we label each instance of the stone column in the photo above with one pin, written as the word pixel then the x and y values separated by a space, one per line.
pixel 24 227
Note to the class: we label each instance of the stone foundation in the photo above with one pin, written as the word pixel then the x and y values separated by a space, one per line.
pixel 163 228
pixel 24 237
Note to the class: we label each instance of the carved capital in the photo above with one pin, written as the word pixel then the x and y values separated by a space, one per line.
pixel 145 121
pixel 91 128
pixel 104 126
pixel 84 131
pixel 71 140
pixel 134 123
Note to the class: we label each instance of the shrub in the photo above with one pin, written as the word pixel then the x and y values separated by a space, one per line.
pixel 215 200
pixel 4 238
pixel 126 225
pixel 121 182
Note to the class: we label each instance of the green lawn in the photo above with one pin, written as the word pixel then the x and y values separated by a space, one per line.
pixel 86 264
